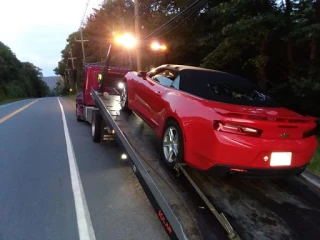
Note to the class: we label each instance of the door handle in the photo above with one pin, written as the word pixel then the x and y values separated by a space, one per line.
pixel 158 93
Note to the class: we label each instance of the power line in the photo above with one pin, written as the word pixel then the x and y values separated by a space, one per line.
pixel 156 1
pixel 186 18
pixel 84 13
pixel 81 35
pixel 171 20
pixel 167 23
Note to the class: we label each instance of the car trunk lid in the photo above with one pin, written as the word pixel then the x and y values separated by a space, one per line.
pixel 272 123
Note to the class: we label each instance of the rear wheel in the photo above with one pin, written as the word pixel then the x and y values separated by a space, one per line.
pixel 124 98
pixel 172 146
pixel 79 119
pixel 96 127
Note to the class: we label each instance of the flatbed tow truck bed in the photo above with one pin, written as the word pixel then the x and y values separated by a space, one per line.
pixel 190 206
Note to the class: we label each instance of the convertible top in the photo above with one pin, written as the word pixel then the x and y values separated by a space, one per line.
pixel 222 87
pixel 197 78
pixel 190 76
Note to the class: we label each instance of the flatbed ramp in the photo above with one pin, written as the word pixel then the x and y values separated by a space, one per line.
pixel 256 209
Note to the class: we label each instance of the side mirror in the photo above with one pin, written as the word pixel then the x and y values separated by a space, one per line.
pixel 142 74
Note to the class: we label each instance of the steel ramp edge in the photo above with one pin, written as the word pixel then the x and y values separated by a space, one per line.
pixel 160 205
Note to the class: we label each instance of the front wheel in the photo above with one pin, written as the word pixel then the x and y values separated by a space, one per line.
pixel 124 99
pixel 79 118
pixel 172 145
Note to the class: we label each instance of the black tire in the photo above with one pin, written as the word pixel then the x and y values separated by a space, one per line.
pixel 299 173
pixel 124 102
pixel 79 119
pixel 96 127
pixel 180 156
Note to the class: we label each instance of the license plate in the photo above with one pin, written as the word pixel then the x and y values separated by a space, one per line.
pixel 280 159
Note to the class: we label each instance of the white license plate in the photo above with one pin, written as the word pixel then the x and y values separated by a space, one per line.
pixel 280 159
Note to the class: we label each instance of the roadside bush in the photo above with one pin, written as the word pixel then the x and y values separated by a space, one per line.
pixel 14 90
pixel 2 95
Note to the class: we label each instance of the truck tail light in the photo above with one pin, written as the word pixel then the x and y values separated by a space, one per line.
pixel 236 129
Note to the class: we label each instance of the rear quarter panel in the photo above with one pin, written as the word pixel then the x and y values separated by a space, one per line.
pixel 196 121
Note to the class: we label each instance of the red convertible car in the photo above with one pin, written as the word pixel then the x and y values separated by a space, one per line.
pixel 219 122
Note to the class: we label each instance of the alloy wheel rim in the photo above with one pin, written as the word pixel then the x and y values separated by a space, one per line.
pixel 171 144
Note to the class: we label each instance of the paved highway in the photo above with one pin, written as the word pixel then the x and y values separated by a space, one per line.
pixel 53 188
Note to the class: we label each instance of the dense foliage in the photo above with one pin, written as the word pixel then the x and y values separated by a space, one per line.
pixel 273 43
pixel 19 79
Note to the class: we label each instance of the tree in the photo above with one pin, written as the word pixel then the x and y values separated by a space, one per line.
pixel 19 79
pixel 272 43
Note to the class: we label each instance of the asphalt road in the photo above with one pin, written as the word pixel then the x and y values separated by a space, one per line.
pixel 8 108
pixel 37 197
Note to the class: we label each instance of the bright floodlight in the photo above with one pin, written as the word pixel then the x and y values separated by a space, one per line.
pixel 124 156
pixel 126 40
pixel 120 85
pixel 118 39
pixel 155 46
pixel 163 47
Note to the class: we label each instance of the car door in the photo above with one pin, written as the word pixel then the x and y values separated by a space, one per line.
pixel 134 87
pixel 157 86
pixel 144 98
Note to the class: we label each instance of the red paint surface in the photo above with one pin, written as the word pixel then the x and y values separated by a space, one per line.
pixel 206 146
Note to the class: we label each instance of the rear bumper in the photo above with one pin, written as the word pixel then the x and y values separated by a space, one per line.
pixel 223 170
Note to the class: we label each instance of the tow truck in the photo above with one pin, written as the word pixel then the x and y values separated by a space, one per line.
pixel 189 204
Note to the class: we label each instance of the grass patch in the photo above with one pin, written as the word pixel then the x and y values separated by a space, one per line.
pixel 314 165
pixel 11 100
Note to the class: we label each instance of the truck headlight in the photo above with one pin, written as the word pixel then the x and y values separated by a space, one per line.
pixel 120 85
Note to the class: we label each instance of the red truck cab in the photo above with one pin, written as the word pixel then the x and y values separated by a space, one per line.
pixel 113 83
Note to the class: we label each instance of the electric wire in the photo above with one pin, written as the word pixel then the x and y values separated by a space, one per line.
pixel 171 20
pixel 184 20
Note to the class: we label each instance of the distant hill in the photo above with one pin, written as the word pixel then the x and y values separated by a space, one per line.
pixel 51 81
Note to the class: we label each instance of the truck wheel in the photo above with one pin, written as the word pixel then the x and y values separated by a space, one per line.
pixel 124 99
pixel 172 147
pixel 96 127
pixel 79 119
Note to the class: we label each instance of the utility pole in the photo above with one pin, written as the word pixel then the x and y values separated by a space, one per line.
pixel 67 74
pixel 72 59
pixel 100 52
pixel 130 62
pixel 74 80
pixel 137 28
pixel 82 45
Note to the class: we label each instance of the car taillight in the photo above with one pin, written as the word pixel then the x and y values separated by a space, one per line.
pixel 309 133
pixel 236 129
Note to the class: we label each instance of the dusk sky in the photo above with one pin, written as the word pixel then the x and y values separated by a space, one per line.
pixel 36 30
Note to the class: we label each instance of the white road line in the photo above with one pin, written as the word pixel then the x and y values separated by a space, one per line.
pixel 83 216
pixel 6 105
